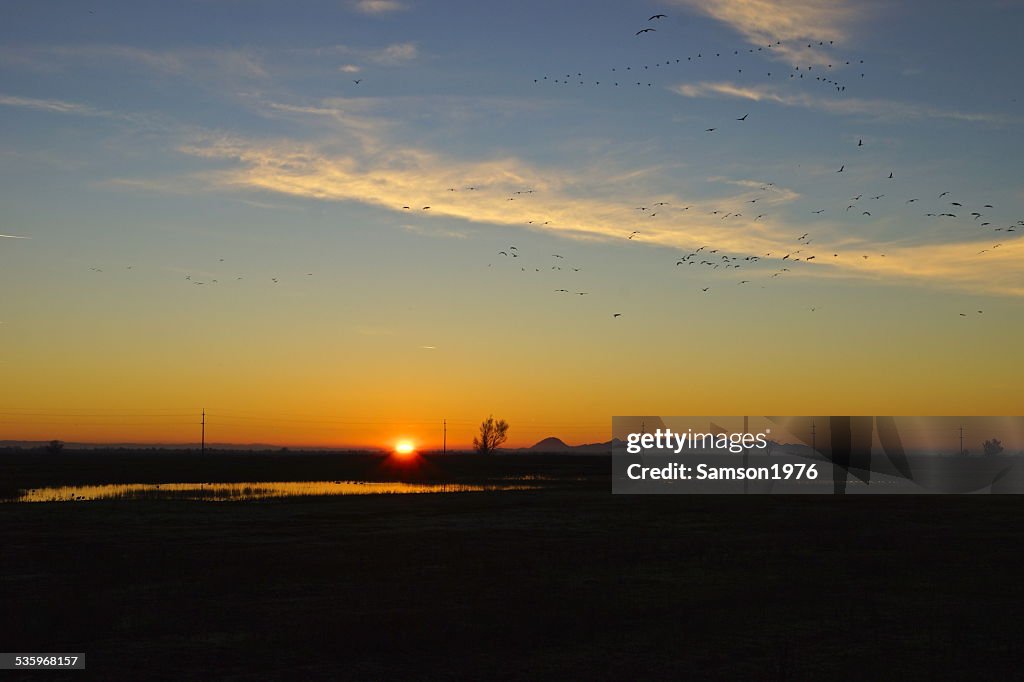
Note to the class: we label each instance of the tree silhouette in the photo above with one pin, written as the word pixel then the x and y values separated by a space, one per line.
pixel 992 447
pixel 55 446
pixel 492 435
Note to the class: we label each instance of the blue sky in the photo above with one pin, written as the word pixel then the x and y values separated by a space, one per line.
pixel 144 142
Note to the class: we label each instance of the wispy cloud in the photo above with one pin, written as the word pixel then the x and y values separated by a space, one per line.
pixel 146 120
pixel 973 266
pixel 193 62
pixel 849 106
pixel 52 105
pixel 365 158
pixel 379 6
pixel 151 121
pixel 789 21
pixel 775 194
pixel 12 236
pixel 391 55
pixel 561 204
pixel 762 20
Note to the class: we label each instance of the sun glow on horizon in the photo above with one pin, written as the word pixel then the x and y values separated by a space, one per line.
pixel 405 448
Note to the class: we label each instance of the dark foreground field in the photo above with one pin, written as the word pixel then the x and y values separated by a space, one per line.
pixel 569 581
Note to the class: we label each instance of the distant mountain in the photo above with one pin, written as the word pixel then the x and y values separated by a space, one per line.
pixel 550 445
pixel 557 445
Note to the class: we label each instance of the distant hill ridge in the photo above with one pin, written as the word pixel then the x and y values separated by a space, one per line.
pixel 557 445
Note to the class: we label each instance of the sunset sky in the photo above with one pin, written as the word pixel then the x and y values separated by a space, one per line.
pixel 200 207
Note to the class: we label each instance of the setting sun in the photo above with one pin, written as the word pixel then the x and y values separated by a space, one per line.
pixel 404 447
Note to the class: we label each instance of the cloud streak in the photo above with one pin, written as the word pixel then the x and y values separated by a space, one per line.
pixel 375 7
pixel 953 266
pixel 789 21
pixel 762 20
pixel 847 106
pixel 393 55
pixel 52 105
pixel 361 157
pixel 192 62
pixel 578 207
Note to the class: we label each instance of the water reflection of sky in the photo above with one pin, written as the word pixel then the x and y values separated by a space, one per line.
pixel 221 492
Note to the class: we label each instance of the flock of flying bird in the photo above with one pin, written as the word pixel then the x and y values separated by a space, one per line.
pixel 943 206
pixel 627 75
pixel 713 259
pixel 208 279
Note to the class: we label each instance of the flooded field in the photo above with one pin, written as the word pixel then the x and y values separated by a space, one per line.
pixel 228 492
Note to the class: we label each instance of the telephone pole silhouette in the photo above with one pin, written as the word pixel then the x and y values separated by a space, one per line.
pixel 961 440
pixel 202 446
pixel 444 436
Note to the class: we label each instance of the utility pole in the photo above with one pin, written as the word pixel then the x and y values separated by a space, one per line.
pixel 203 445
pixel 444 437
pixel 961 440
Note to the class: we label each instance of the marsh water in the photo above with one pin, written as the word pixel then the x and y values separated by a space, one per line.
pixel 226 492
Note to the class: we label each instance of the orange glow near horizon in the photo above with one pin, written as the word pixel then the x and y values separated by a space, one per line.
pixel 404 448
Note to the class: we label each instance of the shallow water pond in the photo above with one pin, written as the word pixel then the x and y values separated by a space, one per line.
pixel 221 492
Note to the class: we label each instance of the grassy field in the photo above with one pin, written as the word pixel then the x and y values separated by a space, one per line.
pixel 564 581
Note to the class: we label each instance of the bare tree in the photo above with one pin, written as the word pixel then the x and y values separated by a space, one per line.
pixel 492 435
